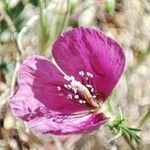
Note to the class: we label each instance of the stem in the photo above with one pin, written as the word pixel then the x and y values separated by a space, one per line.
pixel 130 144
pixel 117 124
pixel 65 17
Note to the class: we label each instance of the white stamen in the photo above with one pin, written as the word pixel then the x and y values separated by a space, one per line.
pixel 74 90
pixel 84 102
pixel 81 73
pixel 69 86
pixel 86 78
pixel 65 85
pixel 88 85
pixel 69 96
pixel 92 90
pixel 94 96
pixel 72 78
pixel 59 88
pixel 76 96
pixel 80 101
pixel 67 78
pixel 89 75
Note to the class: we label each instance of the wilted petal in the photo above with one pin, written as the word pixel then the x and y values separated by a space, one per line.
pixel 91 51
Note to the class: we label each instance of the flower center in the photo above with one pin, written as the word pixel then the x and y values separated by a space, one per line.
pixel 81 92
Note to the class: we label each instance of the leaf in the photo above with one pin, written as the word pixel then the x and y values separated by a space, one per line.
pixel 134 129
pixel 116 136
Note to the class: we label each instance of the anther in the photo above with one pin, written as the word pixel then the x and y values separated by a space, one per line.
pixel 76 96
pixel 69 96
pixel 81 73
pixel 88 85
pixel 94 96
pixel 92 90
pixel 74 90
pixel 67 78
pixel 84 102
pixel 81 101
pixel 72 78
pixel 87 78
pixel 89 75
pixel 58 88
pixel 69 86
pixel 65 85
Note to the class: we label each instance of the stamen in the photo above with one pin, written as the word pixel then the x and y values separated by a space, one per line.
pixel 92 90
pixel 76 96
pixel 84 102
pixel 74 90
pixel 88 85
pixel 69 86
pixel 72 78
pixel 65 85
pixel 59 88
pixel 81 92
pixel 81 101
pixel 89 75
pixel 67 78
pixel 69 96
pixel 81 73
pixel 86 78
pixel 94 96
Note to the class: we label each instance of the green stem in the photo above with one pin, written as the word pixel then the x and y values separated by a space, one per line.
pixel 65 17
pixel 128 142
pixel 117 124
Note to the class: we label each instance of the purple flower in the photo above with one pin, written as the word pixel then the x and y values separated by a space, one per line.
pixel 65 100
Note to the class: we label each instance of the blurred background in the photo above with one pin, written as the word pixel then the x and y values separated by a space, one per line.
pixel 30 27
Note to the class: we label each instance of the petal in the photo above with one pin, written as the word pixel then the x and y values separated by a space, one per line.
pixel 37 101
pixel 69 124
pixel 89 50
pixel 38 79
pixel 41 119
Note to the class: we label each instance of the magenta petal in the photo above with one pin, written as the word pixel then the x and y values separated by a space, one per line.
pixel 91 51
pixel 42 119
pixel 69 124
pixel 37 87
pixel 37 101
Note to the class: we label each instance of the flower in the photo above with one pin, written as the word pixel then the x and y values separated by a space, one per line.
pixel 64 100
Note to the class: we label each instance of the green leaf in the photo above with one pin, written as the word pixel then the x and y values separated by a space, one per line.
pixel 134 129
pixel 119 133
